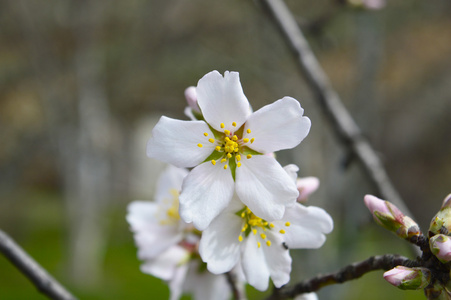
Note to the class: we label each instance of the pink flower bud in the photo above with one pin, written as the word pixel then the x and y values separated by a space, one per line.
pixel 306 186
pixel 191 98
pixel 408 278
pixel 441 247
pixel 390 217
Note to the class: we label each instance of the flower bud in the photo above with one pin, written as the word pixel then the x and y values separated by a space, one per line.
pixel 440 245
pixel 441 222
pixel 306 186
pixel 408 278
pixel 437 292
pixel 191 98
pixel 390 217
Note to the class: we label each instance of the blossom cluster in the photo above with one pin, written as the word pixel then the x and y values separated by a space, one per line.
pixel 225 203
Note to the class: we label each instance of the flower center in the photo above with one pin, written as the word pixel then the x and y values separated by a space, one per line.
pixel 170 214
pixel 258 226
pixel 229 146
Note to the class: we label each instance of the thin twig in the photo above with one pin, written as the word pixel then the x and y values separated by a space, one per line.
pixel 341 121
pixel 43 281
pixel 351 272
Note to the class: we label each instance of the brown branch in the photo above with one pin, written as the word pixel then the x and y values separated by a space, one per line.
pixel 43 281
pixel 331 104
pixel 351 272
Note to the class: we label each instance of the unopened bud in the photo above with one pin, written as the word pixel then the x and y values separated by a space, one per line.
pixel 441 222
pixel 390 217
pixel 440 245
pixel 408 278
pixel 437 292
pixel 306 186
pixel 191 98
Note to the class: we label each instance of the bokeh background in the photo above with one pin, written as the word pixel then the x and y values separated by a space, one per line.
pixel 83 82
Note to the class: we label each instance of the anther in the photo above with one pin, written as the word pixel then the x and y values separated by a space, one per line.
pixel 240 238
pixel 271 225
pixel 263 236
pixel 254 231
pixel 227 132
pixel 222 125
pixel 229 155
pixel 258 244
pixel 246 140
pixel 205 134
pixel 223 160
pixel 238 164
pixel 211 140
pixel 287 224
pixel 227 139
pixel 234 124
pixel 248 156
pixel 243 214
pixel 248 130
pixel 268 243
pixel 238 157
pixel 213 162
pixel 225 167
pixel 252 140
pixel 282 231
pixel 218 148
pixel 199 145
pixel 234 138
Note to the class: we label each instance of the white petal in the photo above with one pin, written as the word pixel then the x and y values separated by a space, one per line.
pixel 292 171
pixel 264 186
pixel 141 213
pixel 176 142
pixel 278 260
pixel 219 246
pixel 277 126
pixel 178 281
pixel 171 179
pixel 307 296
pixel 164 266
pixel 222 100
pixel 254 263
pixel 153 240
pixel 206 191
pixel 206 286
pixel 308 226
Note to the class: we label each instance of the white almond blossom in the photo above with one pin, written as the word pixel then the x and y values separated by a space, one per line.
pixel 225 151
pixel 168 246
pixel 261 246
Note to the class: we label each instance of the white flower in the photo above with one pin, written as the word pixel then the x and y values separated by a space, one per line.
pixel 307 296
pixel 225 150
pixel 168 246
pixel 238 235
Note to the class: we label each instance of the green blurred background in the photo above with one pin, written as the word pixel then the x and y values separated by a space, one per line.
pixel 83 82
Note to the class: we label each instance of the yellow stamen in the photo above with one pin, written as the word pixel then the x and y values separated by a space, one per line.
pixel 235 150
pixel 243 214
pixel 238 157
pixel 248 156
pixel 263 236
pixel 227 132
pixel 225 167
pixel 213 162
pixel 248 130
pixel 238 164
pixel 246 140
pixel 234 124
pixel 252 140
pixel 254 231
pixel 287 224
pixel 211 140
pixel 240 238
pixel 223 160
pixel 282 231
pixel 229 155
pixel 217 148
pixel 199 145
pixel 227 139
pixel 206 134
pixel 258 244
pixel 268 243
pixel 235 138
pixel 222 125
pixel 271 225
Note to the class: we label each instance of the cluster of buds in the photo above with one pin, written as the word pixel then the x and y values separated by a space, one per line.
pixel 433 269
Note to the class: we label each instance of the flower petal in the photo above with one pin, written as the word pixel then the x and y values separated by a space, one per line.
pixel 277 126
pixel 278 259
pixel 170 180
pixel 308 226
pixel 206 286
pixel 176 142
pixel 265 187
pixel 206 191
pixel 164 266
pixel 254 264
pixel 153 240
pixel 141 213
pixel 222 100
pixel 219 246
pixel 178 281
